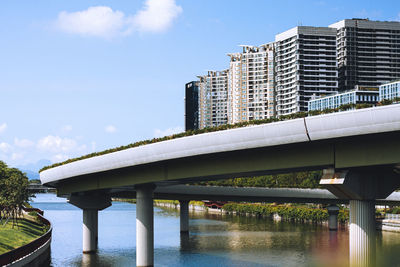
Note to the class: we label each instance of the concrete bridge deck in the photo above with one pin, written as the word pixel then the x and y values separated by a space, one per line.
pixel 351 139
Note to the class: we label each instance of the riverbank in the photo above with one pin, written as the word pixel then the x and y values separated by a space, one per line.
pixel 25 232
pixel 27 242
pixel 289 212
pixel 301 213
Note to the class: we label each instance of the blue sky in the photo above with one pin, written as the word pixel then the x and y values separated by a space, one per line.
pixel 80 76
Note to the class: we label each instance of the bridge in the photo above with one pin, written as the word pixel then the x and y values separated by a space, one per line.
pixel 358 151
pixel 33 187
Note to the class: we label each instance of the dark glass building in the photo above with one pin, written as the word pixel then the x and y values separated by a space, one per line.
pixel 192 105
pixel 368 52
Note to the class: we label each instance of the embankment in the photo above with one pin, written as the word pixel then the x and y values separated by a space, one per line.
pixel 35 253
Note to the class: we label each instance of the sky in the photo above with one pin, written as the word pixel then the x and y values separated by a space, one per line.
pixel 79 76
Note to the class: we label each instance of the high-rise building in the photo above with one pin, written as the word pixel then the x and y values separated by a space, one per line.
pixel 368 52
pixel 213 99
pixel 251 84
pixel 305 65
pixel 192 105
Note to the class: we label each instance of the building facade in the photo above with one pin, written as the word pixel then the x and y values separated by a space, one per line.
pixel 359 95
pixel 213 99
pixel 368 52
pixel 305 66
pixel 389 90
pixel 303 63
pixel 251 84
pixel 192 106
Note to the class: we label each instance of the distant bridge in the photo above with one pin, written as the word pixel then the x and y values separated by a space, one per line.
pixel 32 187
pixel 358 151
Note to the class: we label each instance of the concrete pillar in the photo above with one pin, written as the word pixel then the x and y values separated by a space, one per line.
pixel 184 215
pixel 90 204
pixel 362 186
pixel 90 221
pixel 144 226
pixel 185 242
pixel 333 212
pixel 362 233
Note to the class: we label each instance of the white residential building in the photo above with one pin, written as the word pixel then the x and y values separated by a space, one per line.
pixel 251 84
pixel 213 99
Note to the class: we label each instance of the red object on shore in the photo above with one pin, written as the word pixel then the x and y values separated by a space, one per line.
pixel 214 204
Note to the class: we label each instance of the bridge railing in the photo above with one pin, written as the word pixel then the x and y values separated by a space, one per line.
pixel 18 253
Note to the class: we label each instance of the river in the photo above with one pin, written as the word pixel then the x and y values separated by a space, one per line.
pixel 214 240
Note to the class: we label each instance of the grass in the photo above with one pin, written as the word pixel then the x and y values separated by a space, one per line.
pixel 26 231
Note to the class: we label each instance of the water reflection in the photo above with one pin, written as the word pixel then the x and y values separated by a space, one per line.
pixel 214 240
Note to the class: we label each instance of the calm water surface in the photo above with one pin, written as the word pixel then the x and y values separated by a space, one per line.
pixel 214 240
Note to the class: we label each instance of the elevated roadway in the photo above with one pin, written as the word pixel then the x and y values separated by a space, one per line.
pixel 252 194
pixel 358 151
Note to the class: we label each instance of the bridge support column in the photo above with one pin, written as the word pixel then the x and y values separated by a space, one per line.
pixel 333 212
pixel 362 186
pixel 184 215
pixel 144 225
pixel 90 204
pixel 89 230
pixel 362 233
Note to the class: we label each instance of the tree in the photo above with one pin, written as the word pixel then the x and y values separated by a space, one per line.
pixel 13 191
pixel 307 179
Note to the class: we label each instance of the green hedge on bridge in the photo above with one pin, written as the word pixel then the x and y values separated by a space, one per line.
pixel 224 127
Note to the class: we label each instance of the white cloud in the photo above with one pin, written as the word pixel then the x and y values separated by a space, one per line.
pixel 57 144
pixel 169 131
pixel 157 15
pixel 5 147
pixel 23 143
pixel 110 129
pixel 3 127
pixel 102 21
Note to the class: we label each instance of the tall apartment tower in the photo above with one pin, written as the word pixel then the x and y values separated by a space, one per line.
pixel 213 99
pixel 251 84
pixel 192 105
pixel 306 65
pixel 368 52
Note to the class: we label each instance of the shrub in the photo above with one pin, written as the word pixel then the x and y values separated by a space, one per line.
pixel 287 212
